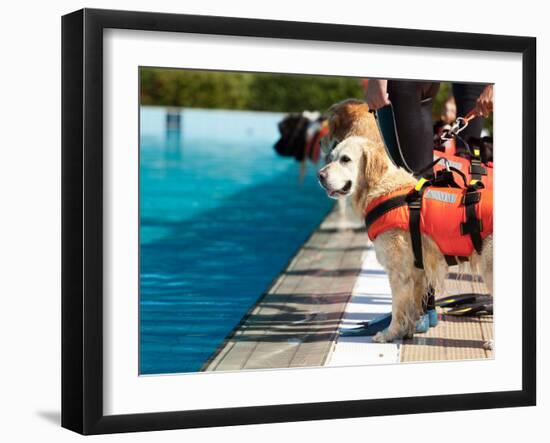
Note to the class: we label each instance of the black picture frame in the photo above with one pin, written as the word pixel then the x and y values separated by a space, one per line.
pixel 82 218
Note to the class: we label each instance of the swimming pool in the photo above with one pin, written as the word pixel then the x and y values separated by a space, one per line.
pixel 220 216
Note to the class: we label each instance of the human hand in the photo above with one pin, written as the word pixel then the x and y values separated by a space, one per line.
pixel 377 94
pixel 484 104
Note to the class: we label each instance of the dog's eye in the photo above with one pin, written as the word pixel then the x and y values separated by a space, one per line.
pixel 345 159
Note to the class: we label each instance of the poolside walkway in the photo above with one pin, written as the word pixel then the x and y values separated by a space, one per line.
pixel 334 282
pixel 454 338
pixel 296 323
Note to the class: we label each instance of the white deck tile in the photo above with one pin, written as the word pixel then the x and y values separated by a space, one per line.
pixel 371 297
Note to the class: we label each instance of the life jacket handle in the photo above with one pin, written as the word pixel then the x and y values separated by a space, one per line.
pixel 430 166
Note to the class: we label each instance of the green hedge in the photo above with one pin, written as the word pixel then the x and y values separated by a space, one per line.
pixel 232 90
pixel 254 91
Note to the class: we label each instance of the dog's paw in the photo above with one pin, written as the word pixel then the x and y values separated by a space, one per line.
pixel 382 337
pixel 489 345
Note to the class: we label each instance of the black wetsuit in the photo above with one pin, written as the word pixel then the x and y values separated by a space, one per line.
pixel 412 106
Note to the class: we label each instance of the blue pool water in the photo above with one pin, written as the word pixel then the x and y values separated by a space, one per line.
pixel 220 217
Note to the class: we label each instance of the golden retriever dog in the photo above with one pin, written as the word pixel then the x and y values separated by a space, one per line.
pixel 360 169
pixel 346 118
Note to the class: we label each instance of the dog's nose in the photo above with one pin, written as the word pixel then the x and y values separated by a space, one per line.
pixel 322 174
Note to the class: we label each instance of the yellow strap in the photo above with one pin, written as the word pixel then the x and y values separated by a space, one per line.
pixel 461 311
pixel 420 183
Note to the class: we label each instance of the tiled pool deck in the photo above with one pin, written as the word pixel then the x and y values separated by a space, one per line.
pixel 332 283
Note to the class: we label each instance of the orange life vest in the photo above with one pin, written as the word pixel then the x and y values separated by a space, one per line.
pixel 443 216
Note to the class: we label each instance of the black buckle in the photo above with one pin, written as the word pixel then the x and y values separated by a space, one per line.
pixel 471 198
pixel 415 204
pixel 476 168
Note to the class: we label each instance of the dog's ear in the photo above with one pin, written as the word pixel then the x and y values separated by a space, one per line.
pixel 375 164
pixel 334 123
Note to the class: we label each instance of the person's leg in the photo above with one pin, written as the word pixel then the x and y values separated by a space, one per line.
pixel 466 95
pixel 429 307
pixel 412 106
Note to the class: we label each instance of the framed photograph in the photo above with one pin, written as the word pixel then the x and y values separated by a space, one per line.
pixel 269 221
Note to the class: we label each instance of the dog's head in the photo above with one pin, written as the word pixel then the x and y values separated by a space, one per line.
pixel 347 118
pixel 355 166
